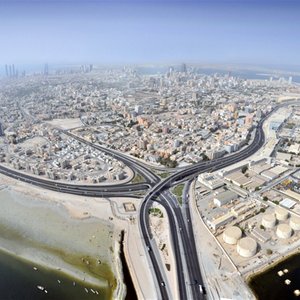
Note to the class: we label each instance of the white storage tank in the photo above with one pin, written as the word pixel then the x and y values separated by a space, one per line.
pixel 268 220
pixel 232 234
pixel 246 247
pixel 281 214
pixel 295 223
pixel 284 231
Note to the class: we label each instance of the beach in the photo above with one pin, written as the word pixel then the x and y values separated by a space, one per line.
pixel 70 234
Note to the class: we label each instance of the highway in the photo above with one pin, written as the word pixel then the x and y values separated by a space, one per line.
pixel 157 193
pixel 132 163
pixel 181 231
pixel 77 189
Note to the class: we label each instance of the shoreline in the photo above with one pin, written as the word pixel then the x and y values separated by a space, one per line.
pixel 270 270
pixel 66 270
pixel 266 268
pixel 46 233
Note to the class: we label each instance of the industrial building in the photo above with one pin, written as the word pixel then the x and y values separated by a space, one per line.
pixel 232 234
pixel 283 231
pixel 224 198
pixel 268 221
pixel 281 214
pixel 210 181
pixel 295 223
pixel 218 222
pixel 246 247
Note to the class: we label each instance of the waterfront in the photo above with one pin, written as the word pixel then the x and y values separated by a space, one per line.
pixel 41 233
pixel 19 280
pixel 269 285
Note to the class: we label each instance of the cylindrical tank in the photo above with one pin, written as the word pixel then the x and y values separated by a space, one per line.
pixel 284 231
pixel 281 214
pixel 232 234
pixel 268 220
pixel 295 223
pixel 246 247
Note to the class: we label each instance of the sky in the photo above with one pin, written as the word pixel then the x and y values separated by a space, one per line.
pixel 265 32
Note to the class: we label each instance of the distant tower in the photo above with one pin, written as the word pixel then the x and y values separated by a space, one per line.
pixel 13 71
pixel 1 130
pixel 9 71
pixel 290 80
pixel 91 67
pixel 183 68
pixel 6 70
pixel 46 70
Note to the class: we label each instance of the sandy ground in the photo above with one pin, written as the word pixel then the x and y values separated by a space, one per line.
pixel 160 229
pixel 34 142
pixel 66 124
pixel 220 276
pixel 135 251
pixel 108 214
pixel 31 218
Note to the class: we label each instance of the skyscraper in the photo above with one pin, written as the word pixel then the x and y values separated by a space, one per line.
pixel 183 68
pixel 6 70
pixel 1 130
pixel 46 70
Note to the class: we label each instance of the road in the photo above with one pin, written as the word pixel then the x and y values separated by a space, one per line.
pixel 181 232
pixel 77 189
pixel 157 193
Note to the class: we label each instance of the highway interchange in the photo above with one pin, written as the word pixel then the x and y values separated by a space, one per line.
pixel 189 277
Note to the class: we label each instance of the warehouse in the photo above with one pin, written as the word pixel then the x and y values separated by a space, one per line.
pixel 224 198
pixel 216 223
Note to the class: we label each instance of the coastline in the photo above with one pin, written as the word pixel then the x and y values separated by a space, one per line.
pixel 265 268
pixel 268 275
pixel 61 238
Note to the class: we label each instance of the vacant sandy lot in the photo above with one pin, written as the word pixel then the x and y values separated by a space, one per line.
pixel 66 124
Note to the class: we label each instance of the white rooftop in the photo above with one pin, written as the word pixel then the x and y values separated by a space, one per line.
pixel 288 203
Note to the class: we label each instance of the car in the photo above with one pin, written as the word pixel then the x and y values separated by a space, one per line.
pixel 162 283
pixel 202 289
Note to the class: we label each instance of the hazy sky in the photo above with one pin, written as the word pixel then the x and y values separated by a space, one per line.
pixel 71 31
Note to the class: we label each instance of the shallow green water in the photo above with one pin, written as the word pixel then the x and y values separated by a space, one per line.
pixel 43 231
pixel 18 280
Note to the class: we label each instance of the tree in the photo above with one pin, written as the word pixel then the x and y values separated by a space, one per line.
pixel 265 198
pixel 269 251
pixel 204 156
pixel 244 169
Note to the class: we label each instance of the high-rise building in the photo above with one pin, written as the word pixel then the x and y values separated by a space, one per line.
pixel 9 71
pixel 290 80
pixel 183 68
pixel 1 130
pixel 6 70
pixel 138 109
pixel 46 70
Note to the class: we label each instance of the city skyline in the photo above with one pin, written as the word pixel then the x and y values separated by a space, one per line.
pixel 118 32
